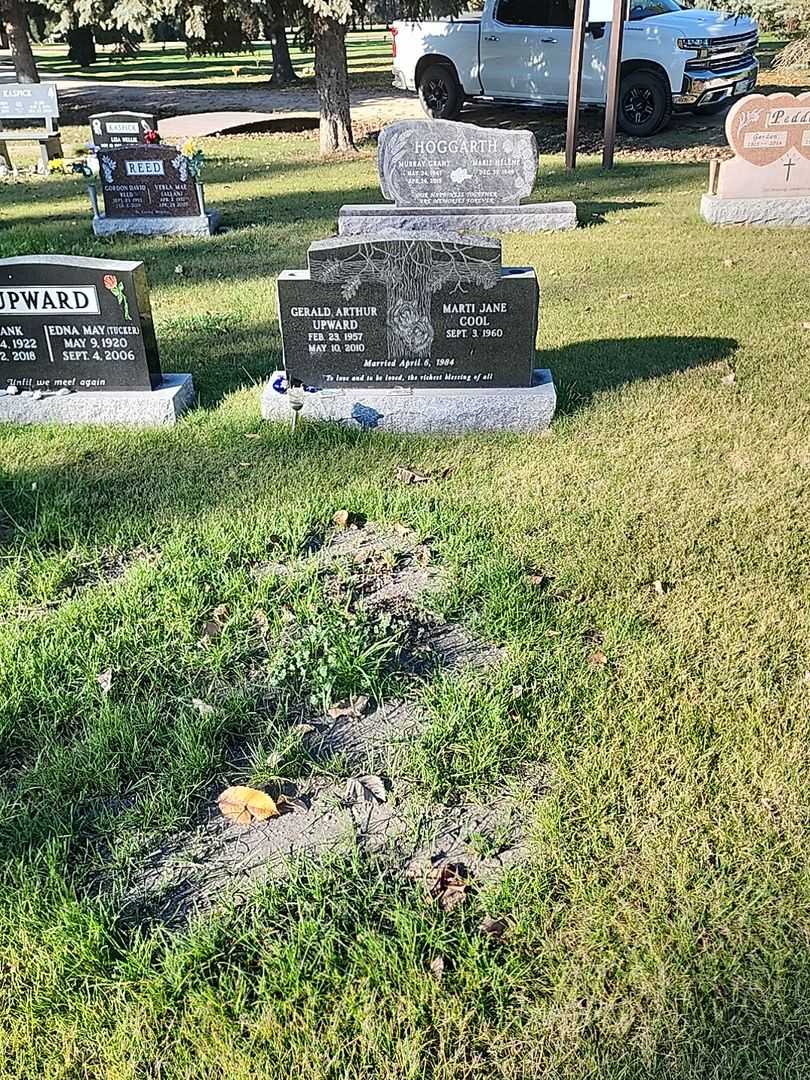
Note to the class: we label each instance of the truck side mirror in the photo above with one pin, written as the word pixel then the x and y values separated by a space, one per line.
pixel 596 29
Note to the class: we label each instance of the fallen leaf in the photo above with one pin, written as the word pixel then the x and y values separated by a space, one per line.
pixel 597 659
pixel 437 968
pixel 806 326
pixel 104 680
pixel 661 588
pixel 245 805
pixel 213 627
pixel 261 621
pixel 303 729
pixel 365 789
pixel 537 579
pixel 408 476
pixel 729 380
pixel 341 519
pixel 494 929
pixel 728 263
pixel 516 691
pixel 290 804
pixel 355 706
pixel 449 885
pixel 202 707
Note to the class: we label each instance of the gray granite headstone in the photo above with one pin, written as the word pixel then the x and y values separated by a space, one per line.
pixel 442 175
pixel 427 311
pixel 442 163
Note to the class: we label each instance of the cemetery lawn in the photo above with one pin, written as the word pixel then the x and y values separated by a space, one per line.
pixel 644 565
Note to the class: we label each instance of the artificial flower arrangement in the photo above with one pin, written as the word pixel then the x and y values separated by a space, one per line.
pixel 194 156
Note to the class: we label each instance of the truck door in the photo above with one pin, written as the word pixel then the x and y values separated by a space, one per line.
pixel 526 52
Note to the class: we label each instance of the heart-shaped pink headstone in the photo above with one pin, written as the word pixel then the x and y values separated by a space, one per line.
pixel 762 128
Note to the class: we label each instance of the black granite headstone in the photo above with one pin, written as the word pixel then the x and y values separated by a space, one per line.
pixel 85 324
pixel 147 181
pixel 426 311
pixel 111 130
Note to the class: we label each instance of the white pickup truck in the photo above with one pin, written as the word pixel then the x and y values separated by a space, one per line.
pixel 518 52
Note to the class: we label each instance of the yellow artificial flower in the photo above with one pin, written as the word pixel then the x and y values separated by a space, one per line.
pixel 189 148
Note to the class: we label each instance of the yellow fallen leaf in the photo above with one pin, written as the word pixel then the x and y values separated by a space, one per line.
pixel 244 805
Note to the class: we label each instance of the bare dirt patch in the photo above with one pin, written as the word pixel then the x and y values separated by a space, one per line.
pixel 215 859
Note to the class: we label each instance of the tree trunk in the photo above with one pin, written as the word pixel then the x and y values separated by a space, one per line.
pixel 283 71
pixel 17 29
pixel 332 79
pixel 409 329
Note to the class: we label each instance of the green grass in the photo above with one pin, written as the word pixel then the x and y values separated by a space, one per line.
pixel 661 915
pixel 369 56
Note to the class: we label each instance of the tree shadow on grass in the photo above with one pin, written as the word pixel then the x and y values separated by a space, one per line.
pixel 587 368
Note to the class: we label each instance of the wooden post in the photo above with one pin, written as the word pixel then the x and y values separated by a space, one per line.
pixel 614 78
pixel 575 83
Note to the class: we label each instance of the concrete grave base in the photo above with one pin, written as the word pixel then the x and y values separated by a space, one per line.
pixel 423 410
pixel 791 211
pixel 202 225
pixel 361 220
pixel 133 408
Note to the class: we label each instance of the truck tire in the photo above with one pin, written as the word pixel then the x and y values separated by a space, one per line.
pixel 645 103
pixel 439 92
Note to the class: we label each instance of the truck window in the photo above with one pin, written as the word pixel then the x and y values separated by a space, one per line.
pixel 535 12
pixel 648 8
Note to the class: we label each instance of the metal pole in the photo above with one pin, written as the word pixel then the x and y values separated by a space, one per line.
pixel 575 83
pixel 614 78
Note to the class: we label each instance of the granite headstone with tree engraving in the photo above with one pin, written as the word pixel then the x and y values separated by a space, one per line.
pixel 387 311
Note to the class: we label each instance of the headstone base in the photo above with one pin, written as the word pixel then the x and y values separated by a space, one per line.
pixel 424 410
pixel 485 220
pixel 202 225
pixel 730 210
pixel 133 408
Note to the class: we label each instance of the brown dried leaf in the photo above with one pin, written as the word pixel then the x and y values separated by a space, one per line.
pixel 244 805
pixel 341 519
pixel 538 579
pixel 437 968
pixel 261 621
pixel 494 929
pixel 303 729
pixel 355 706
pixel 361 789
pixel 409 476
pixel 213 626
pixel 449 885
pixel 597 659
pixel 104 680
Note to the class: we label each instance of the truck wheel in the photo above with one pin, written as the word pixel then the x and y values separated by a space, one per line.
pixel 439 92
pixel 645 103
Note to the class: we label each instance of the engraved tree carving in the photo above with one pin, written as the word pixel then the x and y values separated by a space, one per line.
pixel 411 271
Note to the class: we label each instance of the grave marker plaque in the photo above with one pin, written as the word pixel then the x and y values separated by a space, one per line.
pixel 28 101
pixel 147 182
pixel 112 130
pixel 80 324
pixel 423 312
